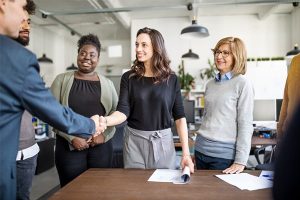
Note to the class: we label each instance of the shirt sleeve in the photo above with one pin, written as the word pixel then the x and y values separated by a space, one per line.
pixel 124 104
pixel 244 123
pixel 178 109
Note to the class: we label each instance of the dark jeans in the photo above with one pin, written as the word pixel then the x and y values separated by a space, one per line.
pixel 208 162
pixel 71 164
pixel 25 173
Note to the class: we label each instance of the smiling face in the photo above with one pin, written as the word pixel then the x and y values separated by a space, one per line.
pixel 87 59
pixel 24 31
pixel 144 49
pixel 224 59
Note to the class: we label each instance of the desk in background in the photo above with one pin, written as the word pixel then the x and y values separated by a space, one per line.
pixel 132 184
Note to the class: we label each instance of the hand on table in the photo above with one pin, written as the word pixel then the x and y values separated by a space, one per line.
pixel 234 169
pixel 186 160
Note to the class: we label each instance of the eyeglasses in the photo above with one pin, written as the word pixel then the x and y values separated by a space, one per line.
pixel 224 53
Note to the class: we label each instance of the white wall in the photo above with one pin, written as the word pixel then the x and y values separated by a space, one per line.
pixel 295 27
pixel 270 37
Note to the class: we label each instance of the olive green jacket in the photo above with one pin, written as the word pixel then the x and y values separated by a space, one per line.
pixel 61 87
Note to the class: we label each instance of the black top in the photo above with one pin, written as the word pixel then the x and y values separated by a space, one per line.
pixel 150 106
pixel 84 98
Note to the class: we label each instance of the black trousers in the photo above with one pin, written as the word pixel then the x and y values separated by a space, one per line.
pixel 71 164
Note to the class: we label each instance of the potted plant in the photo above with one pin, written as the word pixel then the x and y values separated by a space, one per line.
pixel 209 72
pixel 186 79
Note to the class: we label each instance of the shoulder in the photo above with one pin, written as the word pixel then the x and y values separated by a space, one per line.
pixel 241 80
pixel 15 50
pixel 295 64
pixel 173 78
pixel 127 74
pixel 65 75
pixel 104 80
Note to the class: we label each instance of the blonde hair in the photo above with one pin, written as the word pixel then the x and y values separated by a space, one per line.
pixel 238 50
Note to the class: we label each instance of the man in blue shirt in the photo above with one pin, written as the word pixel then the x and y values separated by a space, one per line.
pixel 21 87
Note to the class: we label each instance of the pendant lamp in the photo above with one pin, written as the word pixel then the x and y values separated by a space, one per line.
pixel 45 59
pixel 72 67
pixel 194 31
pixel 293 52
pixel 190 55
pixel 289 55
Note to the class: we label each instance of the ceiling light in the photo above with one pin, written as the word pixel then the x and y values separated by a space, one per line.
pixel 72 67
pixel 293 52
pixel 289 55
pixel 190 55
pixel 194 31
pixel 45 59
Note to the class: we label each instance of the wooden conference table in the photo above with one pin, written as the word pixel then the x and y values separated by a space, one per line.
pixel 132 184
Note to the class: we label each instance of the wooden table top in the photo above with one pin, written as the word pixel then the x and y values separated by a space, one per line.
pixel 132 184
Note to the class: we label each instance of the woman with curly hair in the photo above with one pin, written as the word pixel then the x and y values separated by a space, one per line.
pixel 149 97
pixel 87 93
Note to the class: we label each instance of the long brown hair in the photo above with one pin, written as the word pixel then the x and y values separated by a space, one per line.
pixel 160 60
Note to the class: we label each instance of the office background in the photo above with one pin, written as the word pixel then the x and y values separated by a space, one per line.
pixel 268 30
pixel 270 35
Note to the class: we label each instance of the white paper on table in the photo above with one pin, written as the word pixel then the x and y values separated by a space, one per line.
pixel 170 175
pixel 185 176
pixel 269 175
pixel 246 181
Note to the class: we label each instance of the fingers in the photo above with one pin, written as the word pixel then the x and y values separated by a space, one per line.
pixel 102 123
pixel 187 161
pixel 234 169
pixel 96 120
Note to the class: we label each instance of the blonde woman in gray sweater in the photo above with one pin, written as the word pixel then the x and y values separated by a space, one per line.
pixel 224 138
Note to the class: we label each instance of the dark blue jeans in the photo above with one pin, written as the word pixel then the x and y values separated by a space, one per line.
pixel 208 162
pixel 25 173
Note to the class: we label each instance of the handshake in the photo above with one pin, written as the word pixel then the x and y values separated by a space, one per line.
pixel 100 124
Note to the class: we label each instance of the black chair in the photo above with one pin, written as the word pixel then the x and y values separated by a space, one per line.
pixel 269 158
pixel 117 141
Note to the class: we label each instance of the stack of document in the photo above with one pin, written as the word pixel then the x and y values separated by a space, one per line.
pixel 246 181
pixel 169 175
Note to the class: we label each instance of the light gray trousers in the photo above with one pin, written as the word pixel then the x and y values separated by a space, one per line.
pixel 149 149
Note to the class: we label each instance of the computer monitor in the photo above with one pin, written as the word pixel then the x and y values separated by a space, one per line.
pixel 189 110
pixel 264 110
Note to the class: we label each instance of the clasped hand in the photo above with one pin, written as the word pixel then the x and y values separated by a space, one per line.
pixel 100 124
pixel 96 138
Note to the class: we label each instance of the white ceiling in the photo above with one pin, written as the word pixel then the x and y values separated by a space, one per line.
pixel 110 19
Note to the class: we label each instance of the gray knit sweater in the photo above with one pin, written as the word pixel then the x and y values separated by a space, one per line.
pixel 227 129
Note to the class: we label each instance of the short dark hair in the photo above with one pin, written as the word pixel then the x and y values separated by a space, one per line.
pixel 89 39
pixel 30 7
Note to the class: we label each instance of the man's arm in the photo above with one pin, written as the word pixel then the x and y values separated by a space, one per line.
pixel 39 101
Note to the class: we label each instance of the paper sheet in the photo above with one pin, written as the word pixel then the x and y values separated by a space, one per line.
pixel 246 181
pixel 172 176
pixel 269 175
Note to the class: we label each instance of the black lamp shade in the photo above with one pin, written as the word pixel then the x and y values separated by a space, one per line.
pixel 72 67
pixel 45 59
pixel 194 31
pixel 293 52
pixel 190 55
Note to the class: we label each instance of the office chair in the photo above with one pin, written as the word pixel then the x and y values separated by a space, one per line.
pixel 269 160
